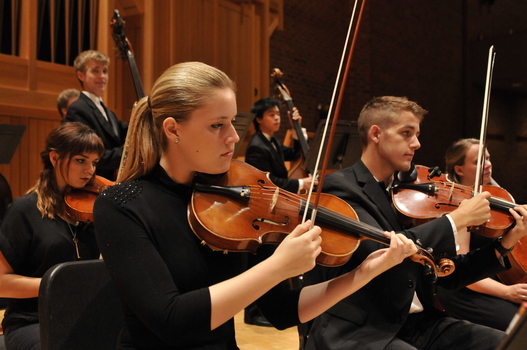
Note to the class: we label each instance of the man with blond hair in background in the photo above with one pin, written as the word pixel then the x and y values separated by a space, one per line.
pixel 91 68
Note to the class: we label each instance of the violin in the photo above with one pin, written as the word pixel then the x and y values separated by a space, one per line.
pixel 297 169
pixel 431 194
pixel 80 201
pixel 241 209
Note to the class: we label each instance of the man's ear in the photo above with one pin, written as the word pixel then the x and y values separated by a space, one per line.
pixel 374 133
pixel 80 75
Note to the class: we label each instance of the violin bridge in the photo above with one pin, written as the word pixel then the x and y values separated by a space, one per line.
pixel 451 192
pixel 275 199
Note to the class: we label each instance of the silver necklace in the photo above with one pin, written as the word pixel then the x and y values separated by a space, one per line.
pixel 75 240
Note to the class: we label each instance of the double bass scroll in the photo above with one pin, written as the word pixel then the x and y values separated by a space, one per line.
pixel 125 51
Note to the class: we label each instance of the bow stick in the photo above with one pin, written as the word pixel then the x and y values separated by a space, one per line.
pixel 343 81
pixel 478 183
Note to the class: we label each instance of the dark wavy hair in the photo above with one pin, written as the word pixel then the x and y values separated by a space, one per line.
pixel 68 140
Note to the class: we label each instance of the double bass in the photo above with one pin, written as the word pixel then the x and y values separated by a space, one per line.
pixel 297 169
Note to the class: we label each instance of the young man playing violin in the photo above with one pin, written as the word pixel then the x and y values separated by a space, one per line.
pixel 397 310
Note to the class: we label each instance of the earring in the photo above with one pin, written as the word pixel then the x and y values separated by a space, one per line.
pixel 176 141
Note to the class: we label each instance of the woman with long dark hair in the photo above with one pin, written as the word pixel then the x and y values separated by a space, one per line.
pixel 37 232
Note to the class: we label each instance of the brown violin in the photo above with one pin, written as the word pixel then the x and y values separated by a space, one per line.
pixel 80 201
pixel 431 195
pixel 241 209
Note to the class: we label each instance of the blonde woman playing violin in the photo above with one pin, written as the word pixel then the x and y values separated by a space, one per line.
pixel 488 302
pixel 178 293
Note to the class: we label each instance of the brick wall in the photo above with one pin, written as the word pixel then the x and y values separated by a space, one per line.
pixel 417 49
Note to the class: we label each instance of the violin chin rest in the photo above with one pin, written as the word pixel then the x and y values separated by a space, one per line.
pixel 408 176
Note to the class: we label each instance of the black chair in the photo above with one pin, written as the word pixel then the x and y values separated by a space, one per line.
pixel 79 307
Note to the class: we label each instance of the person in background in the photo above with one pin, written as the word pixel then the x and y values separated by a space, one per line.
pixel 65 99
pixel 178 293
pixel 488 301
pixel 37 232
pixel 266 153
pixel 91 68
pixel 397 309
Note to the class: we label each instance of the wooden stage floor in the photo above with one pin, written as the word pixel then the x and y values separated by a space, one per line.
pixel 251 337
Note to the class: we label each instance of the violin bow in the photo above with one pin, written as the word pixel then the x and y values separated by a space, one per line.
pixel 342 81
pixel 478 183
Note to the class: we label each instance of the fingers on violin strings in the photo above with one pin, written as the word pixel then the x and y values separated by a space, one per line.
pixel 518 213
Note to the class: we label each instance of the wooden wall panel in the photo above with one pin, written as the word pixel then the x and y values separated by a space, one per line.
pixel 228 34
pixel 25 166
pixel 14 72
pixel 54 77
pixel 236 54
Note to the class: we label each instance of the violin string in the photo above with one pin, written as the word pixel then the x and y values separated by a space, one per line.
pixel 294 202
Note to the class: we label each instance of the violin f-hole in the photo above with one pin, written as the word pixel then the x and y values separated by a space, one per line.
pixel 270 222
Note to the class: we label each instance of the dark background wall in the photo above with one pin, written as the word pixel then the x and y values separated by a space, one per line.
pixel 433 52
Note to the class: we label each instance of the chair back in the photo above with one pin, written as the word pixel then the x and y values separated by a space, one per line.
pixel 6 196
pixel 79 307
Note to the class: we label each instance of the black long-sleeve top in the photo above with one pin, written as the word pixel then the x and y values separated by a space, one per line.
pixel 162 271
pixel 32 244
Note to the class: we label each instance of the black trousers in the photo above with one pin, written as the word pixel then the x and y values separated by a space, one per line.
pixel 475 307
pixel 423 333
pixel 23 338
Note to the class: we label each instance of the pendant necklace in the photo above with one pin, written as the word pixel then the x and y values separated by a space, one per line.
pixel 75 240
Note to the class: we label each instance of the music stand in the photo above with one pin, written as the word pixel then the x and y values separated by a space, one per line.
pixel 345 150
pixel 517 336
pixel 241 124
pixel 10 135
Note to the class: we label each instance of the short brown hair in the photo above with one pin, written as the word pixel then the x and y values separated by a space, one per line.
pixel 64 97
pixel 85 56
pixel 384 112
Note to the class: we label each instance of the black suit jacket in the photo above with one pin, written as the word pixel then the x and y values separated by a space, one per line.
pixel 371 317
pixel 262 155
pixel 85 111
